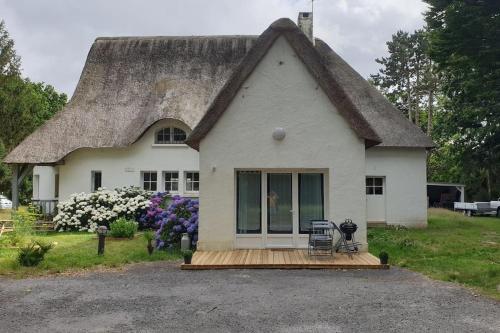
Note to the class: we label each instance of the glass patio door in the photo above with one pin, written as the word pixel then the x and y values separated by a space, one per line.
pixel 279 203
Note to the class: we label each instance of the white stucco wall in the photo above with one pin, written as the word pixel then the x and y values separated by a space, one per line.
pixel 405 175
pixel 123 166
pixel 44 182
pixel 279 95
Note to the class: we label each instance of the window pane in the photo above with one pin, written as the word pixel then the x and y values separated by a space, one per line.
pixel 175 187
pixel 196 186
pixel 153 176
pixel 310 199
pixel 378 190
pixel 249 202
pixel 153 186
pixel 98 182
pixel 175 175
pixel 163 136
pixel 168 176
pixel 179 135
pixel 196 176
pixel 369 181
pixel 146 176
pixel 378 181
pixel 369 190
pixel 279 203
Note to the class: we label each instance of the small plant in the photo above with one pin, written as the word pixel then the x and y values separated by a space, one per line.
pixel 149 236
pixel 187 254
pixel 33 253
pixel 23 223
pixel 384 257
pixel 123 228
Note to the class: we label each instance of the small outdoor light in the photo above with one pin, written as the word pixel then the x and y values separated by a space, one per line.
pixel 279 133
pixel 101 233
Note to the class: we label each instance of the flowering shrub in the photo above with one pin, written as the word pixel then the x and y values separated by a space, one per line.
pixel 87 211
pixel 181 216
pixel 155 212
pixel 123 228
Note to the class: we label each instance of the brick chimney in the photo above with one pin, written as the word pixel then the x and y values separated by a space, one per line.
pixel 305 23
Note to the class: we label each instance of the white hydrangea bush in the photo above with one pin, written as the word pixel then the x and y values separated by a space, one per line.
pixel 87 211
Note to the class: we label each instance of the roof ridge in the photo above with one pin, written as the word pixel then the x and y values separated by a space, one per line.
pixel 118 38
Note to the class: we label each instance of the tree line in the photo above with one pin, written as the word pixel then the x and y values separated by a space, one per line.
pixel 446 79
pixel 24 106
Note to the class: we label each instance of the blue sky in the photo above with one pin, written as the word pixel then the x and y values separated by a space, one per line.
pixel 53 37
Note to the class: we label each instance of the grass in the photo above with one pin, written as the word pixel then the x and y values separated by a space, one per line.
pixel 5 214
pixel 453 247
pixel 77 251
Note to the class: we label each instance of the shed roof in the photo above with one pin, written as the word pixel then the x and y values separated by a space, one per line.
pixel 129 83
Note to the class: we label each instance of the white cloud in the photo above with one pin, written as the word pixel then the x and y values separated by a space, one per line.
pixel 53 36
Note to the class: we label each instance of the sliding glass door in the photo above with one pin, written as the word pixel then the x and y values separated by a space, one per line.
pixel 249 202
pixel 279 203
pixel 275 208
pixel 310 200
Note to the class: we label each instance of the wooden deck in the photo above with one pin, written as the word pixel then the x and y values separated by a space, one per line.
pixel 280 259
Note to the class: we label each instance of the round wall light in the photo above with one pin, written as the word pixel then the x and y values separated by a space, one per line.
pixel 279 133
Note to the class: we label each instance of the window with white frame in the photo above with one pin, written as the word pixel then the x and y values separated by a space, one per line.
pixel 192 181
pixel 150 180
pixel 171 179
pixel 170 135
pixel 374 185
pixel 96 180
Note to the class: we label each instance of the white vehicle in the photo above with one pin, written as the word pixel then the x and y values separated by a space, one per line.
pixel 477 208
pixel 5 203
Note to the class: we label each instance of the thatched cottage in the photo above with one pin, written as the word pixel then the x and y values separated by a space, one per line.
pixel 269 131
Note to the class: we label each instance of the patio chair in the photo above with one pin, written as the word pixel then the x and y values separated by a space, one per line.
pixel 320 238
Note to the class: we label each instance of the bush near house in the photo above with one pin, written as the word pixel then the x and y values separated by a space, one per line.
pixel 180 217
pixel 123 228
pixel 87 211
pixel 452 248
pixel 169 216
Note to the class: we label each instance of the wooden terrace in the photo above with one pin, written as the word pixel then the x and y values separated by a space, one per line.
pixel 280 259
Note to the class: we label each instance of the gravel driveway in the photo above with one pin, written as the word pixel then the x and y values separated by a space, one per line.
pixel 160 297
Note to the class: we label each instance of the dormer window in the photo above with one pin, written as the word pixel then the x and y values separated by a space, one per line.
pixel 170 135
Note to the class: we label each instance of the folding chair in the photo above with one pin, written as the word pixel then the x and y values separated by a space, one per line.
pixel 320 237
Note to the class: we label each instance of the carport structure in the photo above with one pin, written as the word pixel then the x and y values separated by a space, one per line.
pixel 443 195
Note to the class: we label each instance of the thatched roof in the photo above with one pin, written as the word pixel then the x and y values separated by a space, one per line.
pixel 129 83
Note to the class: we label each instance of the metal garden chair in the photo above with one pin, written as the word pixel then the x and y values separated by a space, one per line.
pixel 320 237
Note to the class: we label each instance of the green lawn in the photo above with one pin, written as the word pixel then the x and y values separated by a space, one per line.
pixel 76 251
pixel 453 248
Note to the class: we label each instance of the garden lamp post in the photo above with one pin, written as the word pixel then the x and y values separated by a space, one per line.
pixel 101 233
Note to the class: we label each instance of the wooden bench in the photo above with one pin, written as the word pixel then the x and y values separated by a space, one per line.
pixel 6 226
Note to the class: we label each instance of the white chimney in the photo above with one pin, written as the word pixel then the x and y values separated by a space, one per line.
pixel 305 23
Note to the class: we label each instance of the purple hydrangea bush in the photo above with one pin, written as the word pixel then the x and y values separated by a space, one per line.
pixel 155 212
pixel 171 217
pixel 181 217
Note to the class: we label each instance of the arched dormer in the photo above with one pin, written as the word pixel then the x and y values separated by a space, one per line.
pixel 170 135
